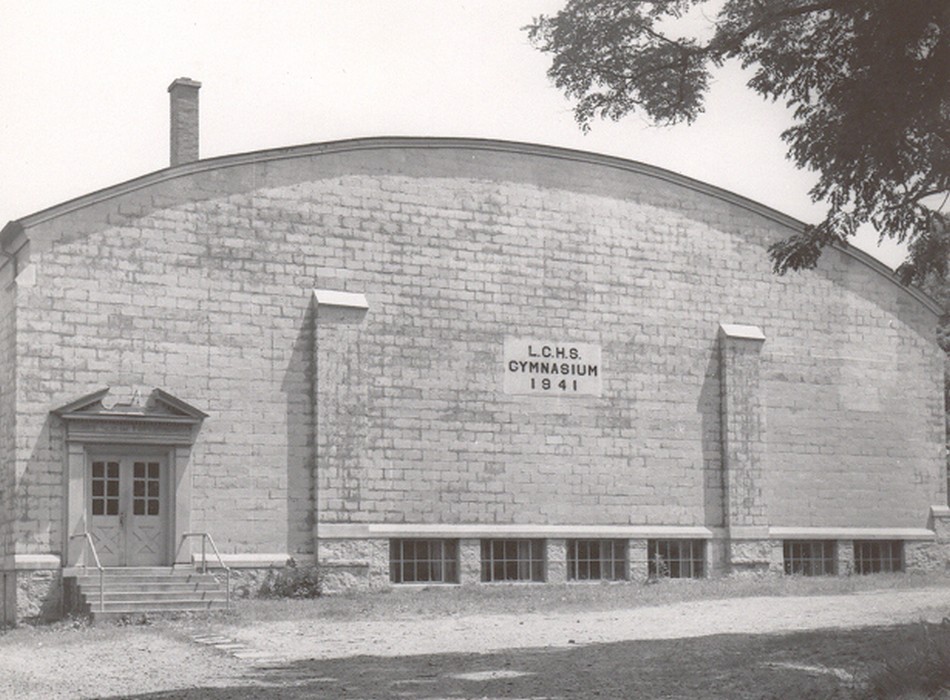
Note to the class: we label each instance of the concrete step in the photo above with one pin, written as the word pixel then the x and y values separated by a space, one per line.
pixel 148 584
pixel 148 589
pixel 119 610
pixel 142 573
pixel 157 596
pixel 137 570
pixel 161 605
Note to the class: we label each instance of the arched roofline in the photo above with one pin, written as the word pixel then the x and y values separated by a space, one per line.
pixel 18 226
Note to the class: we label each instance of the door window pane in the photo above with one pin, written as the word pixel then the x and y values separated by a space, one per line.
pixel 105 488
pixel 146 488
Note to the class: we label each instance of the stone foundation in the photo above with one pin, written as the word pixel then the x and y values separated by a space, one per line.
pixel 750 557
pixel 355 564
pixel 637 560
pixel 556 561
pixel 927 556
pixel 39 595
pixel 470 560
pixel 362 564
pixel 350 564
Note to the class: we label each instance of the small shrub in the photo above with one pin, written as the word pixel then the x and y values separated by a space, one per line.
pixel 921 670
pixel 659 569
pixel 292 581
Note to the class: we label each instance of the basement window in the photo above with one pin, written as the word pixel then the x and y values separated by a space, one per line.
pixel 512 560
pixel 809 557
pixel 596 560
pixel 423 561
pixel 676 558
pixel 877 556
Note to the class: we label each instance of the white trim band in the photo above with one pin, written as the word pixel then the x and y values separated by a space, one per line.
pixel 851 533
pixel 36 562
pixel 340 531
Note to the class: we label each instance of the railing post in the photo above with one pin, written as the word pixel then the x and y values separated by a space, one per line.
pixel 207 539
pixel 87 539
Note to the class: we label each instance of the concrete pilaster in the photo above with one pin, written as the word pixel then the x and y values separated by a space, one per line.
pixel 743 448
pixel 339 396
pixel 556 571
pixel 639 569
pixel 470 561
pixel 844 557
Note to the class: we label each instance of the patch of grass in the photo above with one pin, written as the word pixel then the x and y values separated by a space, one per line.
pixel 436 601
pixel 918 668
pixel 70 631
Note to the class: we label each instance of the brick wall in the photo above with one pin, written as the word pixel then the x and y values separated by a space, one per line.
pixel 841 437
pixel 201 285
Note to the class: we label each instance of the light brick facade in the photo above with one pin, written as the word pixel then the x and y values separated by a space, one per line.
pixel 332 427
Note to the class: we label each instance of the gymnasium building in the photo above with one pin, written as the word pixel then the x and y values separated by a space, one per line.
pixel 439 361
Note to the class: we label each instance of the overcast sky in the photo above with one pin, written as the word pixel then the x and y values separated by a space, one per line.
pixel 84 102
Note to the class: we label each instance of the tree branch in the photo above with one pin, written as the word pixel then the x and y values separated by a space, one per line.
pixel 734 42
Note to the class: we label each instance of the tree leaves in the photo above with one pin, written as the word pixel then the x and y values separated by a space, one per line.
pixel 867 82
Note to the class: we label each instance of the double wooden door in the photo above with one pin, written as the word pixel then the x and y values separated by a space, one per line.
pixel 128 508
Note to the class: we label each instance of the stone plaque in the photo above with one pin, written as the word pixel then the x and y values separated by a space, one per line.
pixel 551 367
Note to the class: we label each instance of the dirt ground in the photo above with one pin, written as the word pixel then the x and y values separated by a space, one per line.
pixel 316 639
pixel 617 653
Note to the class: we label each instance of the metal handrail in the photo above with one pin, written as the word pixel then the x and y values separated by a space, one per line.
pixel 206 537
pixel 95 556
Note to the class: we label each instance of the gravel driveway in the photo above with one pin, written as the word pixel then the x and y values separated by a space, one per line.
pixel 126 661
pixel 317 639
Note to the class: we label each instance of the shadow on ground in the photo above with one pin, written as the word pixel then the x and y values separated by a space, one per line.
pixel 811 664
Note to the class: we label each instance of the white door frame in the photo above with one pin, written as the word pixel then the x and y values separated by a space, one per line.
pixel 164 425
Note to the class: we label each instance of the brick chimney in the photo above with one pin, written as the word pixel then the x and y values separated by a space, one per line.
pixel 184 120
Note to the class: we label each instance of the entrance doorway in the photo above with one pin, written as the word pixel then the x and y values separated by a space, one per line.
pixel 128 508
pixel 130 475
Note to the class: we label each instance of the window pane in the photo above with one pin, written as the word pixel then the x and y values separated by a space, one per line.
pixel 878 556
pixel 809 557
pixel 596 560
pixel 675 558
pixel 512 560
pixel 423 561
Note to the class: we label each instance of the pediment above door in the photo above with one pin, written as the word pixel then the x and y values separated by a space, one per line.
pixel 156 419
